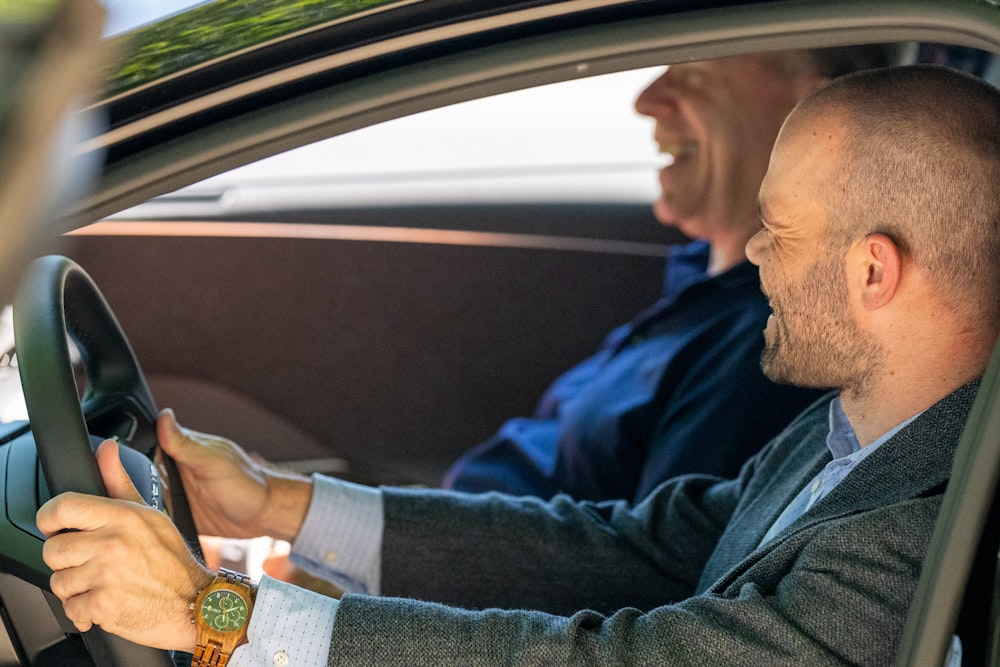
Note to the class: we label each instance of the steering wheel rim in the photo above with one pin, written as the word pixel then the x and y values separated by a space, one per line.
pixel 57 298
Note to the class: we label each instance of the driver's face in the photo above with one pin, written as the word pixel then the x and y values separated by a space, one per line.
pixel 812 337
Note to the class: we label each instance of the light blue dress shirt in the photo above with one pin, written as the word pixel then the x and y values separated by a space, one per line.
pixel 847 454
pixel 340 541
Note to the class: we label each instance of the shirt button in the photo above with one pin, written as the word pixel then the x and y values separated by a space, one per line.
pixel 280 659
pixel 330 558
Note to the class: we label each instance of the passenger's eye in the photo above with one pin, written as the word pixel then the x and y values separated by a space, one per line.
pixel 693 78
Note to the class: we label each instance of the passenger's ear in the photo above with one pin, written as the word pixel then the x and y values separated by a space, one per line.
pixel 880 263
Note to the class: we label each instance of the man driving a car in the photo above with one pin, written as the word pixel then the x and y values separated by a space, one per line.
pixel 879 253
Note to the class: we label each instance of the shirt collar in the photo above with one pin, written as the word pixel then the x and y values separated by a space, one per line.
pixel 687 264
pixel 842 440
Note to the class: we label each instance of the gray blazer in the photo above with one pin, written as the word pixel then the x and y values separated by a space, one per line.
pixel 676 580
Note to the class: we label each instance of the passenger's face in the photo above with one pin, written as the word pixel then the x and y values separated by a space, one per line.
pixel 718 120
pixel 812 337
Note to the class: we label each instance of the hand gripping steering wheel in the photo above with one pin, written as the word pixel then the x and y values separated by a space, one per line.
pixel 57 298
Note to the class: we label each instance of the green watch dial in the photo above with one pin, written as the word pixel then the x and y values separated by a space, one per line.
pixel 224 611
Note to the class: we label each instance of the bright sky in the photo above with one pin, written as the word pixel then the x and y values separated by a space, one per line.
pixel 126 14
pixel 583 122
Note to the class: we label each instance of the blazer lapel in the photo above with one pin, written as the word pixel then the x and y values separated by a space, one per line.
pixel 792 459
pixel 915 462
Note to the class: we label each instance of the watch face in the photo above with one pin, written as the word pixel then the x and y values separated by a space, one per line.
pixel 224 610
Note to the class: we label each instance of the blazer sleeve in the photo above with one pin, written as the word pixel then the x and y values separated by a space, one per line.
pixel 833 595
pixel 559 556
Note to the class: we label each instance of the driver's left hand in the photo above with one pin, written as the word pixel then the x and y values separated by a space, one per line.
pixel 122 564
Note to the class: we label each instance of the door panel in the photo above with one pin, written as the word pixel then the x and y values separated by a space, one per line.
pixel 393 356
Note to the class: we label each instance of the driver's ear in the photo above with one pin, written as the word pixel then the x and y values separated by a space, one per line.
pixel 878 264
pixel 116 479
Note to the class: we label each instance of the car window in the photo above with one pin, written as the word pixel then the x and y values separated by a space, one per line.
pixel 576 141
pixel 11 400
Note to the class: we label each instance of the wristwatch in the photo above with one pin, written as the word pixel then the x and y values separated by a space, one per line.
pixel 221 615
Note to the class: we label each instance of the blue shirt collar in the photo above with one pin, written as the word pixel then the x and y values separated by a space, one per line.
pixel 687 264
pixel 843 442
pixel 841 439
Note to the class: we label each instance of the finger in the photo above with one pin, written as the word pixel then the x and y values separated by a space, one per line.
pixel 67 583
pixel 65 550
pixel 78 610
pixel 116 479
pixel 73 511
pixel 80 528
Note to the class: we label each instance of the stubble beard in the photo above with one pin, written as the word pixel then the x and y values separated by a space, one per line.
pixel 830 351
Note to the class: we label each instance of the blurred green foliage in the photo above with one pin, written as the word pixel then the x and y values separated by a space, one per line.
pixel 215 29
pixel 26 10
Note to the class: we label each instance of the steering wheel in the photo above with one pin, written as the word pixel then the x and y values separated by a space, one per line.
pixel 57 298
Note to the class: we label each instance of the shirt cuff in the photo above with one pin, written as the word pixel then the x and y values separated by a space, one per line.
pixel 289 626
pixel 341 537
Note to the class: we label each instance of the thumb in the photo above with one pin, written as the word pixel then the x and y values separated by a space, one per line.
pixel 169 434
pixel 117 481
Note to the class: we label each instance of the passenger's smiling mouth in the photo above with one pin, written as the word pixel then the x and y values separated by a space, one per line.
pixel 679 151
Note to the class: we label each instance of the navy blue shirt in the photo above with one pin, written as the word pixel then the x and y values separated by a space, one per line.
pixel 678 390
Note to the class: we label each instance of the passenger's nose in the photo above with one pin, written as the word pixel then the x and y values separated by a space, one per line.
pixel 658 97
pixel 757 246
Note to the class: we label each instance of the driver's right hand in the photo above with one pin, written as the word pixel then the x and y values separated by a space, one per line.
pixel 231 493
